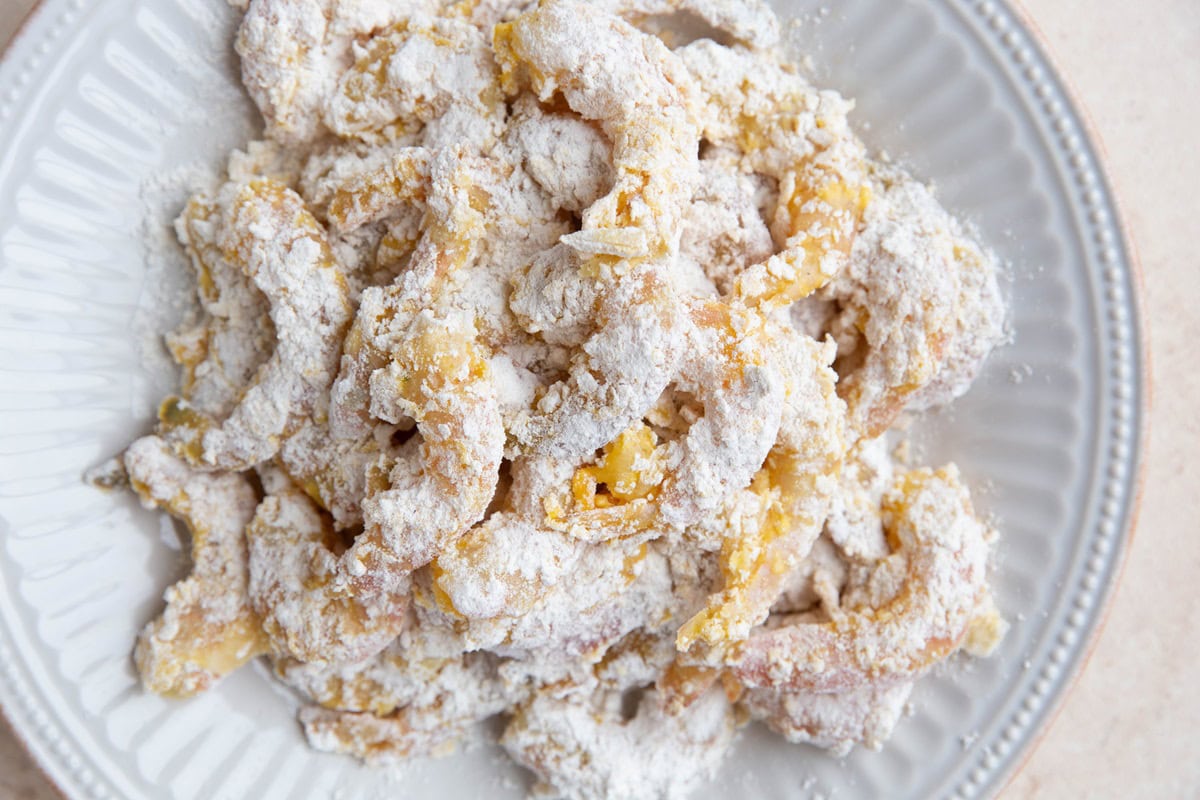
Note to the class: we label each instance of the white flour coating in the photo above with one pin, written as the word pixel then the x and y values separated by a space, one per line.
pixel 837 721
pixel 208 628
pixel 919 306
pixel 542 367
pixel 580 747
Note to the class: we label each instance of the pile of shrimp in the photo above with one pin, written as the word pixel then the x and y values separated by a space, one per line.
pixel 544 366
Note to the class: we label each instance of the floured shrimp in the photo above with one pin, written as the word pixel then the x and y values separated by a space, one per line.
pixel 914 294
pixel 750 22
pixel 855 521
pixel 724 232
pixel 943 550
pixel 268 232
pixel 334 472
pixel 454 208
pixel 651 486
pixel 647 485
pixel 729 374
pixel 307 606
pixel 399 362
pixel 521 589
pixel 434 74
pixel 487 14
pixel 415 698
pixel 412 670
pixel 568 157
pixel 781 128
pixel 221 352
pixel 377 191
pixel 208 628
pixel 293 52
pixel 581 746
pixel 453 696
pixel 836 721
pixel 617 374
pixel 640 95
pixel 348 606
pixel 979 324
pixel 774 524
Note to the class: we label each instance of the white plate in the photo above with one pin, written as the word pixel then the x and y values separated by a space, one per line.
pixel 98 98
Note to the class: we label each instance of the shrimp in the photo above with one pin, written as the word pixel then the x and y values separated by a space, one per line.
pixel 402 359
pixel 773 524
pixel 567 157
pixel 269 233
pixel 208 628
pixel 416 697
pixel 727 371
pixel 748 21
pixel 351 605
pixel 724 231
pixel 294 558
pixel 672 485
pixel 434 74
pixel 447 185
pixel 579 745
pixel 837 721
pixel 942 549
pixel 221 353
pixel 781 128
pixel 293 51
pixel 629 234
pixel 616 375
pixel 918 307
pixel 373 194
pixel 642 97
pixel 440 699
pixel 410 670
pixel 519 588
pixel 333 472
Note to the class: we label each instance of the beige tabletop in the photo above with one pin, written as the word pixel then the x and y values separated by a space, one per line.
pixel 1131 726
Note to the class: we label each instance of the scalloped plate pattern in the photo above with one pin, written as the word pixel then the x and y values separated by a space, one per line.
pixel 108 109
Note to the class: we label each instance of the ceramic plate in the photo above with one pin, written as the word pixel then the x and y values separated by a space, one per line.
pixel 108 110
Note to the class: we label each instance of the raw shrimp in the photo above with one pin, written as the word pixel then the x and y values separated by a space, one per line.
pixel 617 374
pixel 943 549
pixel 567 157
pixel 307 606
pixel 837 721
pixel 523 589
pixel 269 233
pixel 640 95
pixel 448 186
pixel 782 128
pixel 403 180
pixel 221 352
pixel 208 628
pixel 724 369
pixel 918 307
pixel 774 523
pixel 727 370
pixel 580 746
pixel 349 606
pixel 748 21
pixel 435 73
pixel 444 699
pixel 724 231
pixel 293 52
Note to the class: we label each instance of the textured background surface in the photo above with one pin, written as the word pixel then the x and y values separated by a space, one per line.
pixel 1128 728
